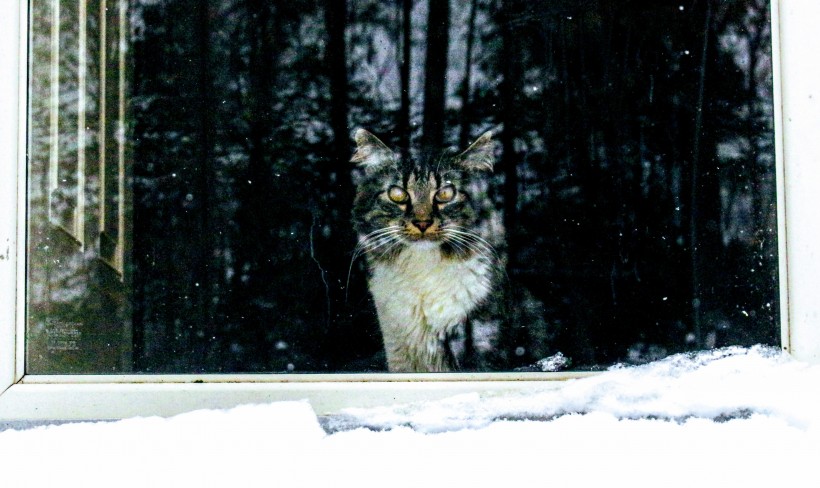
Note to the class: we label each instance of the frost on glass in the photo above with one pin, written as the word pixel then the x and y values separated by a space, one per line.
pixel 634 179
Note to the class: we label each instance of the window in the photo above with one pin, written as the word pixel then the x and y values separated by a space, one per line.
pixel 113 232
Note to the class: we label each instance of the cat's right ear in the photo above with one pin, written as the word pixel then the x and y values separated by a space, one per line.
pixel 371 153
pixel 480 155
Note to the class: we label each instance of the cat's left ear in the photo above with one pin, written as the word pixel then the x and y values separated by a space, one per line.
pixel 480 156
pixel 370 152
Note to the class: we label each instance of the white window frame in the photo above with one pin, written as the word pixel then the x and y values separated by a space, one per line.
pixel 70 397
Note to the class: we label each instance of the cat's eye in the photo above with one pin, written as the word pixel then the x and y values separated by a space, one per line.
pixel 445 194
pixel 397 194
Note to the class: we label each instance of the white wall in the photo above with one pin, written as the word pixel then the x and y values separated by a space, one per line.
pixel 11 136
pixel 800 84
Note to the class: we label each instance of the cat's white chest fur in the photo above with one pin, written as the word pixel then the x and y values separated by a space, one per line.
pixel 422 296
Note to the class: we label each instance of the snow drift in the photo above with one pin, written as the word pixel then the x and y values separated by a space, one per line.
pixel 728 417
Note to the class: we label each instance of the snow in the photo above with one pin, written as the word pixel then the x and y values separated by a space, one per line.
pixel 729 417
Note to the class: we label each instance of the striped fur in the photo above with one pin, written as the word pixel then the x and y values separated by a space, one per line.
pixel 430 268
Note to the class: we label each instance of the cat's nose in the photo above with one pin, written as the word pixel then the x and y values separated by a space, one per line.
pixel 423 225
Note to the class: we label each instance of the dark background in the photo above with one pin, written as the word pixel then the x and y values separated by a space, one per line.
pixel 635 177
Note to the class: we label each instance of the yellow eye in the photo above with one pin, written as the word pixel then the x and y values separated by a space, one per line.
pixel 397 194
pixel 446 194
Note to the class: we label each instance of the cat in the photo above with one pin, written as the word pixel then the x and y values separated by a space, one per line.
pixel 429 267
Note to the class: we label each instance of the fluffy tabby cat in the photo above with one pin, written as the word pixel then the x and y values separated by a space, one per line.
pixel 430 269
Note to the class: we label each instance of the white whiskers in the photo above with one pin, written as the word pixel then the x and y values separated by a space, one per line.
pixel 379 238
pixel 382 240
pixel 465 240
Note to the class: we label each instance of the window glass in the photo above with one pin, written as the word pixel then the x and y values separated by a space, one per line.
pixel 193 206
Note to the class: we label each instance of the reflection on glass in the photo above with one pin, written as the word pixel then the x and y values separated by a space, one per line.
pixel 79 300
pixel 190 189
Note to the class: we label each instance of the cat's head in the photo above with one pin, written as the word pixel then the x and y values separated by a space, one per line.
pixel 423 202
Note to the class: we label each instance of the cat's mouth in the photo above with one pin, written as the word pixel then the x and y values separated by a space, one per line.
pixel 423 231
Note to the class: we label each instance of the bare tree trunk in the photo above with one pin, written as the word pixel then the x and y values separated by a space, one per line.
pixel 509 87
pixel 435 74
pixel 403 124
pixel 253 187
pixel 512 334
pixel 466 112
pixel 696 217
pixel 203 269
pixel 332 251
pixel 759 220
pixel 335 19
